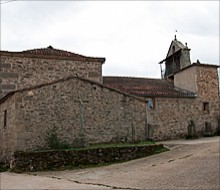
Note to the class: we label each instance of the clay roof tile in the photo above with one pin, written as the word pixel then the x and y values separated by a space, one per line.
pixel 146 87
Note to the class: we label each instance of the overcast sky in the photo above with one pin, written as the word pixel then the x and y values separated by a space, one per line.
pixel 133 36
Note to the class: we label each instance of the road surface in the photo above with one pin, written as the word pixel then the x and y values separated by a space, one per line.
pixel 190 164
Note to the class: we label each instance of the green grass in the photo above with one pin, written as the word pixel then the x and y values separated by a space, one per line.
pixel 104 145
pixel 121 144
pixel 160 150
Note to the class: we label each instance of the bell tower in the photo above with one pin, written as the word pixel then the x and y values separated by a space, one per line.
pixel 178 57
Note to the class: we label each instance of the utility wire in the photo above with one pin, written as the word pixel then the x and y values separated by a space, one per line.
pixel 7 2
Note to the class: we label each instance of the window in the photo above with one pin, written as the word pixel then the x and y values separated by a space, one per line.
pixel 205 106
pixel 5 118
pixel 150 103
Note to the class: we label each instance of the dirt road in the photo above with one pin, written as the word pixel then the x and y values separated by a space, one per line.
pixel 189 165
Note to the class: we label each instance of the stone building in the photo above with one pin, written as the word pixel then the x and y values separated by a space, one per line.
pixel 45 88
pixel 187 92
pixel 192 96
pixel 32 67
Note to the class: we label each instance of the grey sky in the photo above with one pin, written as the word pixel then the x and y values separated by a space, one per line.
pixel 133 36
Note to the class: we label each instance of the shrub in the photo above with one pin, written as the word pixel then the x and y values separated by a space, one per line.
pixel 3 167
pixel 52 138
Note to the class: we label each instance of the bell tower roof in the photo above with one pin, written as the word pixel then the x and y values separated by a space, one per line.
pixel 178 46
pixel 178 57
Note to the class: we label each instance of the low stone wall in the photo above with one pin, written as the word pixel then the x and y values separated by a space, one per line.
pixel 61 159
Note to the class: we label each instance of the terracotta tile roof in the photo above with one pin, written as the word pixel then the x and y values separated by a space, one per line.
pixel 51 52
pixel 146 87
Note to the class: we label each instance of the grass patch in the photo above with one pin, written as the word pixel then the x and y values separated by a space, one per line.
pixel 118 145
pixel 104 145
pixel 160 150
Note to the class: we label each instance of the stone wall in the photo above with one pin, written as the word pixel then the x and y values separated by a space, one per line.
pixel 61 159
pixel 171 116
pixel 207 83
pixel 19 72
pixel 7 128
pixel 80 110
pixel 199 78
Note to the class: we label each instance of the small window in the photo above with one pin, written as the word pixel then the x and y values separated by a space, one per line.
pixel 205 106
pixel 5 118
pixel 150 103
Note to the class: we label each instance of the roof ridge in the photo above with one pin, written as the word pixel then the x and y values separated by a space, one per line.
pixel 51 52
pixel 50 48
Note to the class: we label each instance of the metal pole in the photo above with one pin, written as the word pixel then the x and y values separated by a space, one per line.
pixel 147 129
pixel 81 116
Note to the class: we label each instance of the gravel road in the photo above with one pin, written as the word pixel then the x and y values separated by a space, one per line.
pixel 190 164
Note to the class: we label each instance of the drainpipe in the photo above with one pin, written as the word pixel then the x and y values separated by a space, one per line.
pixel 147 119
pixel 81 118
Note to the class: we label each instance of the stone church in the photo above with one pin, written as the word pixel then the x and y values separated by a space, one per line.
pixel 48 88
